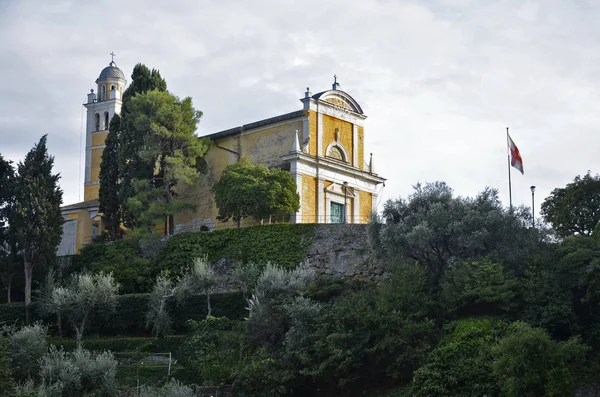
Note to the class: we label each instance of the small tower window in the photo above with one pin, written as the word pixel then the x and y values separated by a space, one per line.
pixel 103 93
pixel 105 121
pixel 97 121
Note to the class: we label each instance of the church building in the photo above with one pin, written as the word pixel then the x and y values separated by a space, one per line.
pixel 321 144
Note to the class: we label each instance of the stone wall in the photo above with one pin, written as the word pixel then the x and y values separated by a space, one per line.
pixel 343 251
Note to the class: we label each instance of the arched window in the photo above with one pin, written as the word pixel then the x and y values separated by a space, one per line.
pixel 336 153
pixel 103 93
pixel 105 121
pixel 97 121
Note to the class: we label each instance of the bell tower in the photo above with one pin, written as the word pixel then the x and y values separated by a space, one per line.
pixel 101 107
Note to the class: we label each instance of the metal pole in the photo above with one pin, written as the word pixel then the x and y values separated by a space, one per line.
pixel 509 182
pixel 345 201
pixel 532 206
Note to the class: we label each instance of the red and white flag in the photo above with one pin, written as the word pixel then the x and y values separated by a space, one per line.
pixel 515 156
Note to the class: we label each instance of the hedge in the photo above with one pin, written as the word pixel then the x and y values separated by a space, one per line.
pixel 283 244
pixel 124 345
pixel 130 316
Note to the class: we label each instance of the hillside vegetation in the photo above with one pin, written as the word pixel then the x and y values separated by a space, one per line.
pixel 478 303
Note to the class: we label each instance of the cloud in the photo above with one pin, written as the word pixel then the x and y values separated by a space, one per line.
pixel 440 79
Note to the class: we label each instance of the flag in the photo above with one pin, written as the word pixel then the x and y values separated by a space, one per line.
pixel 515 156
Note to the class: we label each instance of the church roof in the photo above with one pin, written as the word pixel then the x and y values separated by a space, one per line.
pixel 111 71
pixel 256 124
pixel 82 205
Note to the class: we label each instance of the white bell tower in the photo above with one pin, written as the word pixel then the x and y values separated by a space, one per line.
pixel 101 107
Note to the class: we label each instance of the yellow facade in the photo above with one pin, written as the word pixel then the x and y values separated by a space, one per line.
pixel 309 199
pixel 312 122
pixel 361 148
pixel 98 138
pixel 365 199
pixel 91 191
pixel 333 127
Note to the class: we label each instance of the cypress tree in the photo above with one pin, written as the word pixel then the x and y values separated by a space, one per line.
pixel 110 204
pixel 8 262
pixel 36 219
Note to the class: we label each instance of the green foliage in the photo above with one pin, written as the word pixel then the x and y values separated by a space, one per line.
pixel 123 259
pixel 528 363
pixel 375 333
pixel 173 388
pixel 170 149
pixel 12 313
pixel 194 281
pixel 124 345
pixel 36 218
pixel 79 373
pixel 7 383
pixel 83 295
pixel 8 266
pixel 213 349
pixel 461 365
pixel 574 208
pixel 27 347
pixel 131 140
pixel 437 229
pixel 284 244
pixel 129 317
pixel 110 204
pixel 245 189
pixel 479 288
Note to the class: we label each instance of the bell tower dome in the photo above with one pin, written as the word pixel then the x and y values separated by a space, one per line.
pixel 101 107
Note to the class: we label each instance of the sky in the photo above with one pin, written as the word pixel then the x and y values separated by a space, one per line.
pixel 440 80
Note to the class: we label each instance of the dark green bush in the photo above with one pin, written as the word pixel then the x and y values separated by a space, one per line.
pixel 124 259
pixel 12 313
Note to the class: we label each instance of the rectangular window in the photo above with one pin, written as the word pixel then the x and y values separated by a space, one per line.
pixel 337 213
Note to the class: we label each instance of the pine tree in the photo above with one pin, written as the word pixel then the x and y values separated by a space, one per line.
pixel 110 204
pixel 172 153
pixel 131 140
pixel 36 218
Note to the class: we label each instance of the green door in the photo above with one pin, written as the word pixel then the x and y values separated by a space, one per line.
pixel 337 213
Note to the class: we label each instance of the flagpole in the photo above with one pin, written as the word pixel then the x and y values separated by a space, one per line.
pixel 509 181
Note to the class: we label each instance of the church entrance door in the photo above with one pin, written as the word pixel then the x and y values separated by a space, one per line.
pixel 337 213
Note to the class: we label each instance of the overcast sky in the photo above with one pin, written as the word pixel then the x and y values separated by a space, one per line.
pixel 440 80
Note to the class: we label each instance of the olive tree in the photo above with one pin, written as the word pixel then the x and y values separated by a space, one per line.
pixel 27 346
pixel 194 281
pixel 83 295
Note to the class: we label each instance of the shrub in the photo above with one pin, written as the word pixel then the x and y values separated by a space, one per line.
pixel 124 259
pixel 461 365
pixel 7 383
pixel 528 362
pixel 78 373
pixel 27 346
